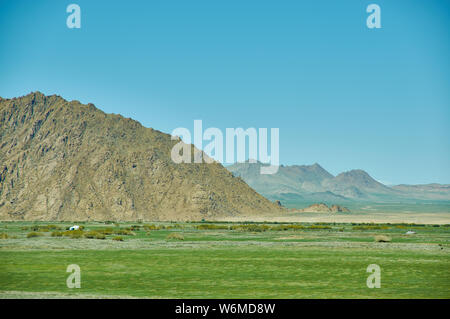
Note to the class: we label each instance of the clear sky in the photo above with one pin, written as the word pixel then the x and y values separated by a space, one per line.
pixel 341 94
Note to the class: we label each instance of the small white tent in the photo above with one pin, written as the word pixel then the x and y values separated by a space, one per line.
pixel 74 227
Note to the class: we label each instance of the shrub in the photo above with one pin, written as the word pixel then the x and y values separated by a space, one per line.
pixel 208 226
pixel 42 228
pixel 92 234
pixel 118 238
pixel 53 227
pixel 34 234
pixel 106 231
pixel 57 234
pixel 250 228
pixel 39 228
pixel 126 232
pixel 153 227
pixel 176 226
pixel 100 236
pixel 287 227
pixel 4 236
pixel 370 227
pixel 382 239
pixel 319 227
pixel 75 234
pixel 176 236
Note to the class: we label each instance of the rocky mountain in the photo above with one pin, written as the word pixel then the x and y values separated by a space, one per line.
pixel 312 184
pixel 62 160
pixel 288 179
pixel 356 184
pixel 323 208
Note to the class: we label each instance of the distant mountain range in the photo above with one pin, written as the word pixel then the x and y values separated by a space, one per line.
pixel 312 183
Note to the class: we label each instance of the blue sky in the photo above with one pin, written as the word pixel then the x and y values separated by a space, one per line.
pixel 343 95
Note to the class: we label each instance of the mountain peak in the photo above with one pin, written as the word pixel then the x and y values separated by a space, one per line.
pixel 359 179
pixel 355 173
pixel 33 94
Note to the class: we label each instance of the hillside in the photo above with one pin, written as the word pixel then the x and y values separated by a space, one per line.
pixel 357 184
pixel 64 160
pixel 288 179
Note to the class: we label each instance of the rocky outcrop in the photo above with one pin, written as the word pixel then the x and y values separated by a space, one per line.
pixel 339 209
pixel 323 208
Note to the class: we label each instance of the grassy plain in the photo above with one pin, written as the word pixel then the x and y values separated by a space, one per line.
pixel 224 260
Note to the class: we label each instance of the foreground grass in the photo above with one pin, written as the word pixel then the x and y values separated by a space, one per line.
pixel 323 263
pixel 230 273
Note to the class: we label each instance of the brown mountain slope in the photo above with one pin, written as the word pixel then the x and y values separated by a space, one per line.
pixel 322 208
pixel 62 160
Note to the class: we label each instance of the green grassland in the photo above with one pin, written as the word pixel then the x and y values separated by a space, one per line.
pixel 223 260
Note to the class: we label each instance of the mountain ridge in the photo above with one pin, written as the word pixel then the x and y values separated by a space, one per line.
pixel 313 183
pixel 63 160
